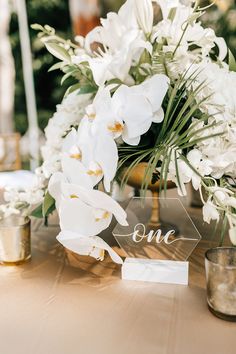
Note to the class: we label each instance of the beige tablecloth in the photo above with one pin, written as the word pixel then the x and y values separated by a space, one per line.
pixel 56 305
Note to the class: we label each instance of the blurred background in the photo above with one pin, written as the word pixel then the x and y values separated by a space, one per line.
pixel 68 17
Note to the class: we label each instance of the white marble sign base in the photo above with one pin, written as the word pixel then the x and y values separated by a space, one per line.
pixel 158 271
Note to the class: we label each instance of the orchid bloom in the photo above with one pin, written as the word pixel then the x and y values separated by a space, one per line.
pixel 139 106
pixel 101 115
pixel 201 164
pixel 131 110
pixel 83 214
pixel 93 246
pixel 210 212
pixel 95 154
pixel 87 211
pixel 220 199
pixel 223 196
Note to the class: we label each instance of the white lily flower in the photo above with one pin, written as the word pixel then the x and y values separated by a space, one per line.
pixel 167 5
pixel 107 65
pixel 93 246
pixel 120 45
pixel 144 14
pixel 223 49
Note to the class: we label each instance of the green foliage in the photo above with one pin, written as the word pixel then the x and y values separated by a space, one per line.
pixel 170 142
pixel 48 205
pixel 44 209
pixel 38 212
pixel 49 92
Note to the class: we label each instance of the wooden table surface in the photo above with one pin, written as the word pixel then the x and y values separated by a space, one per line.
pixel 64 304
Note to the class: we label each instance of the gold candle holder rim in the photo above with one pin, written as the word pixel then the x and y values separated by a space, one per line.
pixel 215 249
pixel 26 219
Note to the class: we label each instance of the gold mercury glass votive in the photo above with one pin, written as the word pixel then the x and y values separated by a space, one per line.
pixel 15 247
pixel 220 266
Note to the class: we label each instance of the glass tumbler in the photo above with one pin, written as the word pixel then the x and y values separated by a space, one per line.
pixel 15 245
pixel 220 264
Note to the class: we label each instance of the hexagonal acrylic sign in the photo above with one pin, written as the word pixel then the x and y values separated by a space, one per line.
pixel 159 229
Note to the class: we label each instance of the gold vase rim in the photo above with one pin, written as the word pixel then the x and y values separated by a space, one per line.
pixel 25 221
pixel 220 249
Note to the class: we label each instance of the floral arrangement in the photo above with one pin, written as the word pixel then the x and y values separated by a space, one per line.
pixel 158 89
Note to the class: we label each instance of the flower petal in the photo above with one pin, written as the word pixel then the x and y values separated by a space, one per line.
pixel 106 155
pixel 97 199
pixel 54 186
pixel 155 90
pixel 92 246
pixel 77 216
pixel 76 172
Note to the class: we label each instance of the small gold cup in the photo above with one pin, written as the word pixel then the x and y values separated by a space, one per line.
pixel 15 245
pixel 220 265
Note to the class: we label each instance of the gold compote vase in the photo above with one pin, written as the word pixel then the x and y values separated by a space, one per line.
pixel 135 180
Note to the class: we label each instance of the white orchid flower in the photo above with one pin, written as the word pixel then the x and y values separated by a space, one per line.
pixel 210 212
pixel 87 211
pixel 103 116
pixel 95 153
pixel 83 214
pixel 185 174
pixel 93 246
pixel 223 196
pixel 131 110
pixel 144 14
pixel 201 164
pixel 139 106
pixel 72 172
pixel 99 150
pixel 54 186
